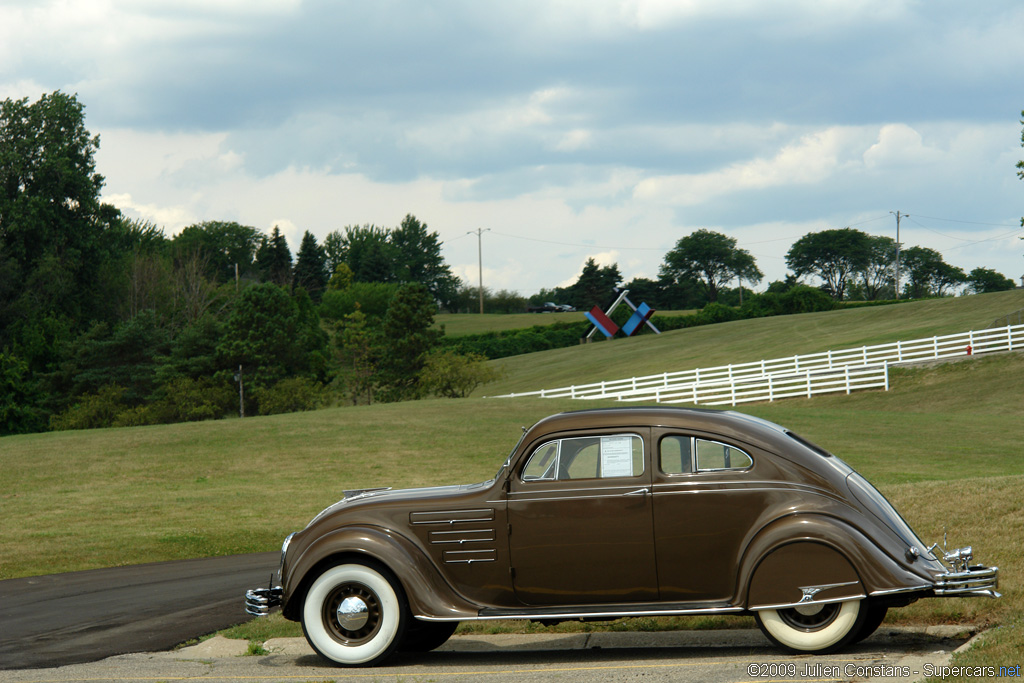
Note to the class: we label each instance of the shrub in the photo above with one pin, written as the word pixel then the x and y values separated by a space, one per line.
pixel 92 411
pixel 453 375
pixel 292 395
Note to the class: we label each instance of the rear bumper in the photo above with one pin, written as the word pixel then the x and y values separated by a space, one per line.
pixel 259 601
pixel 976 581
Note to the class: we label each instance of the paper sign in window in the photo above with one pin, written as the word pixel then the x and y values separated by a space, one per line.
pixel 617 456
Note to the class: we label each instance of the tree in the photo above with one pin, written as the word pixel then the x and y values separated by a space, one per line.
pixel 311 267
pixel 271 337
pixel 408 337
pixel 359 349
pixel 595 285
pixel 985 280
pixel 367 252
pixel 53 241
pixel 928 274
pixel 832 255
pixel 710 258
pixel 19 397
pixel 274 260
pixel 221 246
pixel 419 259
pixel 877 278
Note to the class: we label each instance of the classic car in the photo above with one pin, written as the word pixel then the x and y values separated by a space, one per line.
pixel 609 513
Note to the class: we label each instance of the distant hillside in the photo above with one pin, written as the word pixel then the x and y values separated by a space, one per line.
pixel 750 340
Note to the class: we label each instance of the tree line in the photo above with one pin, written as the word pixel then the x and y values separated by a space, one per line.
pixel 106 321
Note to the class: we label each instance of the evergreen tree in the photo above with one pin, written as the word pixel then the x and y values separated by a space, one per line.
pixel 311 267
pixel 274 260
pixel 408 338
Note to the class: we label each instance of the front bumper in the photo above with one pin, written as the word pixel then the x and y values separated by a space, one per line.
pixel 976 581
pixel 259 601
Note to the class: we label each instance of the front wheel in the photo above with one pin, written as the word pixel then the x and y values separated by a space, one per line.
pixel 814 627
pixel 424 636
pixel 354 614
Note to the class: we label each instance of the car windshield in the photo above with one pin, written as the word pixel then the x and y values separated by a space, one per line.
pixel 508 460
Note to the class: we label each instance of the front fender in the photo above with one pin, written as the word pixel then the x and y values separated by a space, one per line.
pixel 815 551
pixel 428 594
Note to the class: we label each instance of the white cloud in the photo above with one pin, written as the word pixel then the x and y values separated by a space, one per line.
pixel 900 145
pixel 811 160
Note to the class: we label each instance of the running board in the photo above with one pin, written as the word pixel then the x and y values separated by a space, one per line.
pixel 609 611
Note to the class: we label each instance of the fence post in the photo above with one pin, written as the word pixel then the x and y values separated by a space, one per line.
pixel 572 391
pixel 1009 338
pixel 830 359
pixel 808 376
pixel 899 351
pixel 935 346
pixel 846 371
pixel 886 370
pixel 771 389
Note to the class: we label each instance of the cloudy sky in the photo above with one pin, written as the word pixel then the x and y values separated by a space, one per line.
pixel 565 129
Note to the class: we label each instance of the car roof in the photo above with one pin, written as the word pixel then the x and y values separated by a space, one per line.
pixel 727 423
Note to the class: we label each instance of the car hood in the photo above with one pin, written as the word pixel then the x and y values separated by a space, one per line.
pixel 386 493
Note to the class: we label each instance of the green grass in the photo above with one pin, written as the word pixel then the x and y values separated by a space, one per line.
pixel 459 324
pixel 943 444
pixel 749 340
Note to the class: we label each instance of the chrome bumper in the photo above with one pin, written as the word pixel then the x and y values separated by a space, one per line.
pixel 976 581
pixel 259 601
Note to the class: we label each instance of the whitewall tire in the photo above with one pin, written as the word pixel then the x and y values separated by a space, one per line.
pixel 814 627
pixel 354 614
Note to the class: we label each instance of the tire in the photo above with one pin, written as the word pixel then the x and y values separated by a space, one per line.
pixel 424 636
pixel 814 628
pixel 873 619
pixel 374 621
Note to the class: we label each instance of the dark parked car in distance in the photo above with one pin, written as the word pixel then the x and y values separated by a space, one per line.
pixel 610 513
pixel 550 307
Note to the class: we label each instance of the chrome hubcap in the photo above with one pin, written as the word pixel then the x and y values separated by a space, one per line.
pixel 352 613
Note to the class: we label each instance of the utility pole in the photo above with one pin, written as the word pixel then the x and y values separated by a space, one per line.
pixel 898 216
pixel 480 257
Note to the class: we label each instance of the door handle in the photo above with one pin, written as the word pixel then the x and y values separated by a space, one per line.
pixel 638 492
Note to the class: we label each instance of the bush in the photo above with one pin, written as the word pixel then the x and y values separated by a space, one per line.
pixel 453 375
pixel 292 395
pixel 92 411
pixel 804 299
pixel 718 313
pixel 193 400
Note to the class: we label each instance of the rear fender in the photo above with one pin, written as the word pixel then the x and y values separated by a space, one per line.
pixel 428 594
pixel 815 557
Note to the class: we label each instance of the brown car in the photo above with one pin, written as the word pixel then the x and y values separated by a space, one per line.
pixel 611 513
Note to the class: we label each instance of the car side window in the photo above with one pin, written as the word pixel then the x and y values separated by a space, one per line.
pixel 588 457
pixel 712 455
pixel 675 455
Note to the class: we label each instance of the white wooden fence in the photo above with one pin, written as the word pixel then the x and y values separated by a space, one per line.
pixel 802 375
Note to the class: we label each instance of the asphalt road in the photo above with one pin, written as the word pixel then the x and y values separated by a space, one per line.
pixel 745 656
pixel 48 621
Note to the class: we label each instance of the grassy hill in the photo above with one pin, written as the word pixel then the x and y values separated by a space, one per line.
pixel 458 324
pixel 944 445
pixel 750 340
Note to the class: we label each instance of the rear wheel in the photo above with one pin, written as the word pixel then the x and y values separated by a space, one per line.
pixel 354 614
pixel 814 627
pixel 875 616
